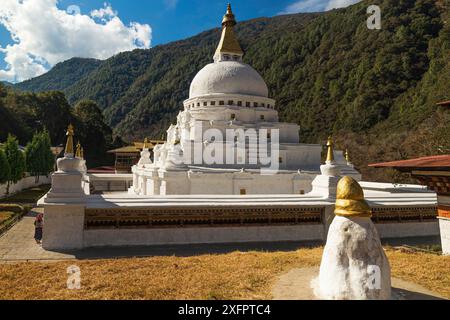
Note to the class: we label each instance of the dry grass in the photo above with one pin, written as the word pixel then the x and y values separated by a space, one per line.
pixel 224 276
pixel 5 215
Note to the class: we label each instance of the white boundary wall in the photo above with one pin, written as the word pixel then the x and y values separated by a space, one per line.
pixel 25 183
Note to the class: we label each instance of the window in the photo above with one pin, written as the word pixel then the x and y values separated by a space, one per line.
pixel 230 102
pixel 247 104
pixel 261 117
pixel 205 103
pixel 255 104
pixel 269 135
pixel 233 116
pixel 236 57
pixel 263 105
pixel 213 103
pixel 226 57
pixel 280 160
pixel 221 103
pixel 243 191
pixel 239 103
pixel 198 104
pixel 302 191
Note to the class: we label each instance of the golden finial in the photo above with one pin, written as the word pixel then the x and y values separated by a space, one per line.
pixel 82 153
pixel 228 42
pixel 69 143
pixel 228 19
pixel 350 199
pixel 330 152
pixel 347 157
pixel 145 144
pixel 78 150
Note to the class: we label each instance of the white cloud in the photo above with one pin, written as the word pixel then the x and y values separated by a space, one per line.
pixel 171 4
pixel 44 35
pixel 305 6
pixel 334 4
pixel 316 5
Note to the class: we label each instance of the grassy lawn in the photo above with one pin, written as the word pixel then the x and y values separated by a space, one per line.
pixel 19 204
pixel 236 275
pixel 27 196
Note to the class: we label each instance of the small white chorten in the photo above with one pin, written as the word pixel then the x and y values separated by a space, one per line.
pixel 354 265
pixel 68 180
pixel 325 183
pixel 145 155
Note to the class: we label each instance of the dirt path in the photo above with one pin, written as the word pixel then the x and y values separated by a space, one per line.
pixel 295 285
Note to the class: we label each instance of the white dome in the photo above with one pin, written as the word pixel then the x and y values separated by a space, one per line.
pixel 229 77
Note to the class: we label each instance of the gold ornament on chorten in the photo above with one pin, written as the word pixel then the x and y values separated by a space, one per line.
pixel 69 142
pixel 347 157
pixel 228 18
pixel 228 42
pixel 330 152
pixel 146 145
pixel 78 150
pixel 350 199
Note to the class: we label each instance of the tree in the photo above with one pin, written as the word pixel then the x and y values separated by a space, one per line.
pixel 16 161
pixel 54 113
pixel 92 131
pixel 4 168
pixel 39 157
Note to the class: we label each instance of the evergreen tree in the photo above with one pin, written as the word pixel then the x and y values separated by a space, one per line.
pixel 16 161
pixel 4 168
pixel 39 156
pixel 91 130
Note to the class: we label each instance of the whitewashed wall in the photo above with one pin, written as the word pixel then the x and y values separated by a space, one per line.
pixel 25 183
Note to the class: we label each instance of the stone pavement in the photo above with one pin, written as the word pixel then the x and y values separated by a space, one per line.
pixel 18 242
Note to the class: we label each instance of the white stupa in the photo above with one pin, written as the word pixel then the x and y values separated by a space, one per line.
pixel 199 157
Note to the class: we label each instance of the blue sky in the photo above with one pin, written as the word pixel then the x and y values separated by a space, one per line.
pixel 102 29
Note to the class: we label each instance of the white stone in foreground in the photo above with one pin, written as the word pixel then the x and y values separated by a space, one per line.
pixel 354 265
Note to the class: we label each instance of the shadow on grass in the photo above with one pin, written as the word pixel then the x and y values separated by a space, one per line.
pixel 188 250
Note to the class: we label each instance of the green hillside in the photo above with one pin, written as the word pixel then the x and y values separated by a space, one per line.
pixel 61 76
pixel 375 90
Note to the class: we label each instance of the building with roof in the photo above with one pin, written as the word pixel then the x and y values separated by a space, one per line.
pixel 126 157
pixel 433 172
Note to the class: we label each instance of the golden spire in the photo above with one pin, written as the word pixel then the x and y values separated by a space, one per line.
pixel 350 199
pixel 228 42
pixel 82 153
pixel 347 157
pixel 330 152
pixel 78 150
pixel 69 143
pixel 228 19
pixel 145 144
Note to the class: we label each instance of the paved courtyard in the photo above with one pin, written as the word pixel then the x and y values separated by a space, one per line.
pixel 18 242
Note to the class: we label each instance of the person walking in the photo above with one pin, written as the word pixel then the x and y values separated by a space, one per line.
pixel 38 225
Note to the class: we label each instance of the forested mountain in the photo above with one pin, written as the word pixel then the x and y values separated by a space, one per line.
pixel 61 76
pixel 374 90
